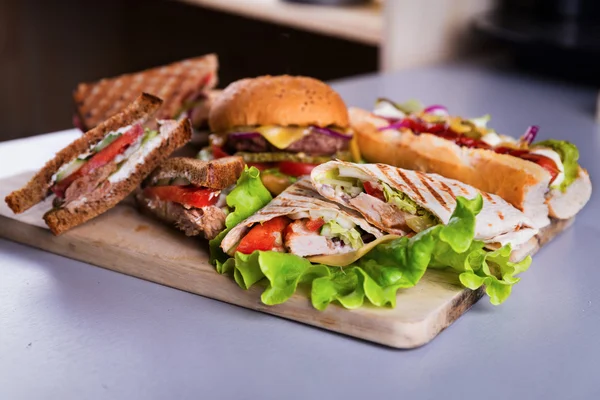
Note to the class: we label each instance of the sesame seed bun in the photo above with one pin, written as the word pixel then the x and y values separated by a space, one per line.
pixel 278 100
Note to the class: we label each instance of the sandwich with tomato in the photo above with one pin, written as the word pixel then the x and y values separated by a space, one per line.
pixel 185 87
pixel 190 193
pixel 405 202
pixel 542 179
pixel 283 125
pixel 102 167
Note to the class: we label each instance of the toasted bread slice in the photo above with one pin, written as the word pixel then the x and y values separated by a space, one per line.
pixel 175 134
pixel 175 83
pixel 36 190
pixel 522 183
pixel 214 174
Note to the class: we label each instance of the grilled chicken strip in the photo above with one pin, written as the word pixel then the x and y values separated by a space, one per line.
pixel 302 242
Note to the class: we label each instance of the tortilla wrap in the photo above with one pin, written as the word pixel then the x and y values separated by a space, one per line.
pixel 498 221
pixel 300 200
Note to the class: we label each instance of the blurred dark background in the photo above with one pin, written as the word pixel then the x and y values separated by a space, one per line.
pixel 47 47
pixel 556 38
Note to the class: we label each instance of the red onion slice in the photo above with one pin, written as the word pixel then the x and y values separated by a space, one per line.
pixel 331 132
pixel 437 110
pixel 530 134
pixel 244 135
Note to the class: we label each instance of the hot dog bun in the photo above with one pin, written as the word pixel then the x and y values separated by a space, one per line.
pixel 522 183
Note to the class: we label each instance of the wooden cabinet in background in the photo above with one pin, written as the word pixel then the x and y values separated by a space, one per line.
pixel 47 47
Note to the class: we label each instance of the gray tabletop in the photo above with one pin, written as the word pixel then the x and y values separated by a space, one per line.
pixel 71 330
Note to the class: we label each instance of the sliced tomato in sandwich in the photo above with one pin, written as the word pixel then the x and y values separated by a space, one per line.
pixel 370 189
pixel 265 237
pixel 314 225
pixel 185 195
pixel 218 152
pixel 100 159
pixel 547 163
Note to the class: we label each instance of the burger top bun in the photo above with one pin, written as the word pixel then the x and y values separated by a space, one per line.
pixel 278 100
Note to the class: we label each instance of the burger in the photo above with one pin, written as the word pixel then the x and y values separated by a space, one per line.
pixel 283 125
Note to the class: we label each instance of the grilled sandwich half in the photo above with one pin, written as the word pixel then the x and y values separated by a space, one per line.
pixel 185 87
pixel 102 167
pixel 190 194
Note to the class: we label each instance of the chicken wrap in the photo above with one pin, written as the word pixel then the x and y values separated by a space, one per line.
pixel 404 202
pixel 301 222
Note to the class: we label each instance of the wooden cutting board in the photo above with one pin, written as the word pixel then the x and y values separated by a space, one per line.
pixel 125 241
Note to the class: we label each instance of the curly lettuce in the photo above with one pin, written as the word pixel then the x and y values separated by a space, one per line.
pixel 388 267
pixel 248 196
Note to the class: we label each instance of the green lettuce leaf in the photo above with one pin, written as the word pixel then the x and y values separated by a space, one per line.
pixel 569 154
pixel 248 196
pixel 494 270
pixel 390 266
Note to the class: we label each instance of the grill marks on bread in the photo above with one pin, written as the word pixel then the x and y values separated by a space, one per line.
pixel 175 83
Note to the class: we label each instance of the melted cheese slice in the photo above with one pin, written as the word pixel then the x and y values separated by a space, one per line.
pixel 282 137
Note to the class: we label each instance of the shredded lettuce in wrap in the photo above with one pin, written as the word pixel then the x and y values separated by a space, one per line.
pixel 399 199
pixel 351 237
pixel 352 185
pixel 388 267
pixel 422 218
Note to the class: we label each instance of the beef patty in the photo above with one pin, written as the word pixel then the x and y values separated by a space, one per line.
pixel 314 144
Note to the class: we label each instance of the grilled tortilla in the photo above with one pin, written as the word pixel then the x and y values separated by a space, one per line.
pixel 402 201
pixel 301 202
